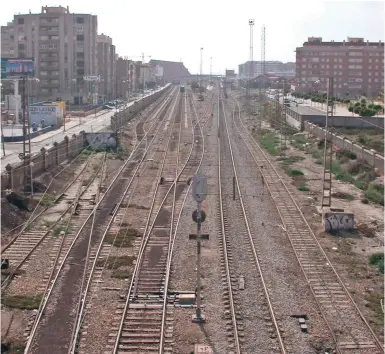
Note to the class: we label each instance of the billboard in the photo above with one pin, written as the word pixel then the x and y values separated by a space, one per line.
pixel 49 113
pixel 159 71
pixel 16 68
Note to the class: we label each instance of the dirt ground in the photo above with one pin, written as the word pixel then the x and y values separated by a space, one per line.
pixel 348 251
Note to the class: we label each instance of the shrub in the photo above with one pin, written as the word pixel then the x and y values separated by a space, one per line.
pixel 375 193
pixel 377 260
pixel 303 188
pixel 346 153
pixel 295 172
pixel 22 302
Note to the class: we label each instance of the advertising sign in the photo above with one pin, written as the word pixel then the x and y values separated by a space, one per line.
pixel 91 78
pixel 159 71
pixel 17 68
pixel 48 113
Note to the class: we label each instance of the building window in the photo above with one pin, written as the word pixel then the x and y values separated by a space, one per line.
pixel 80 37
pixel 369 80
pixel 355 67
pixel 79 19
pixel 355 54
pixel 20 21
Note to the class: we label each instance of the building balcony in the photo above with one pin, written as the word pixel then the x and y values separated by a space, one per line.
pixel 49 50
pixel 50 67
pixel 50 85
pixel 49 59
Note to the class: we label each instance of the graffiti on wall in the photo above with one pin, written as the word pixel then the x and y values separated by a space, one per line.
pixel 338 222
pixel 102 140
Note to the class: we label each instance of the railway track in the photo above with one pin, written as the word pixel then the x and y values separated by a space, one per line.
pixel 20 249
pixel 113 227
pixel 73 277
pixel 234 220
pixel 145 324
pixel 348 327
pixel 143 120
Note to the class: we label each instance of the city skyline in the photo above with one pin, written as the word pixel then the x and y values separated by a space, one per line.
pixel 224 37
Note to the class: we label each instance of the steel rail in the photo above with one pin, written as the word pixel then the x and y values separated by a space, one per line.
pixel 173 236
pixel 49 287
pixel 79 315
pixel 270 306
pixel 133 282
pixel 311 233
pixel 221 208
pixel 144 242
pixel 29 221
pixel 33 333
pixel 6 281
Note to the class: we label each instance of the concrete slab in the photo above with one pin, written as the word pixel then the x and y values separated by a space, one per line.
pixel 202 349
pixel 334 220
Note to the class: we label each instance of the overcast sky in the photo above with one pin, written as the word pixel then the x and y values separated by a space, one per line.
pixel 176 29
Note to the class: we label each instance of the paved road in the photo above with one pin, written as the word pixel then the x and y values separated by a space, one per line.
pixel 89 124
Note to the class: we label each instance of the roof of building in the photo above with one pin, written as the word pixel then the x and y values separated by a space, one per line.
pixel 356 42
pixel 172 70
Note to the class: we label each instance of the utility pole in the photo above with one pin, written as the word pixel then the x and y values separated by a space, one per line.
pixel 2 133
pixel 211 69
pixel 261 100
pixel 26 138
pixel 143 72
pixel 251 59
pixel 326 200
pixel 200 76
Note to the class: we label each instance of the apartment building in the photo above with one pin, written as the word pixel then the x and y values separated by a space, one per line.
pixel 64 47
pixel 106 87
pixel 255 68
pixel 356 66
pixel 122 78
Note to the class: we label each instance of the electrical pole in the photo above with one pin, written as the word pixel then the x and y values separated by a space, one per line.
pixel 261 100
pixel 211 69
pixel 251 59
pixel 200 76
pixel 326 200
pixel 26 138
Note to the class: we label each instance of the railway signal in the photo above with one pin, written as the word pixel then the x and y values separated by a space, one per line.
pixel 199 193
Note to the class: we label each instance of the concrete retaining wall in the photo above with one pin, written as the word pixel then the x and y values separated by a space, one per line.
pixel 120 119
pixel 60 152
pixel 68 149
pixel 346 121
pixel 335 121
pixel 13 139
pixel 373 158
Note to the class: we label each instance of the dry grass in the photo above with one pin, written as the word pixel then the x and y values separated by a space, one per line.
pixel 22 302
